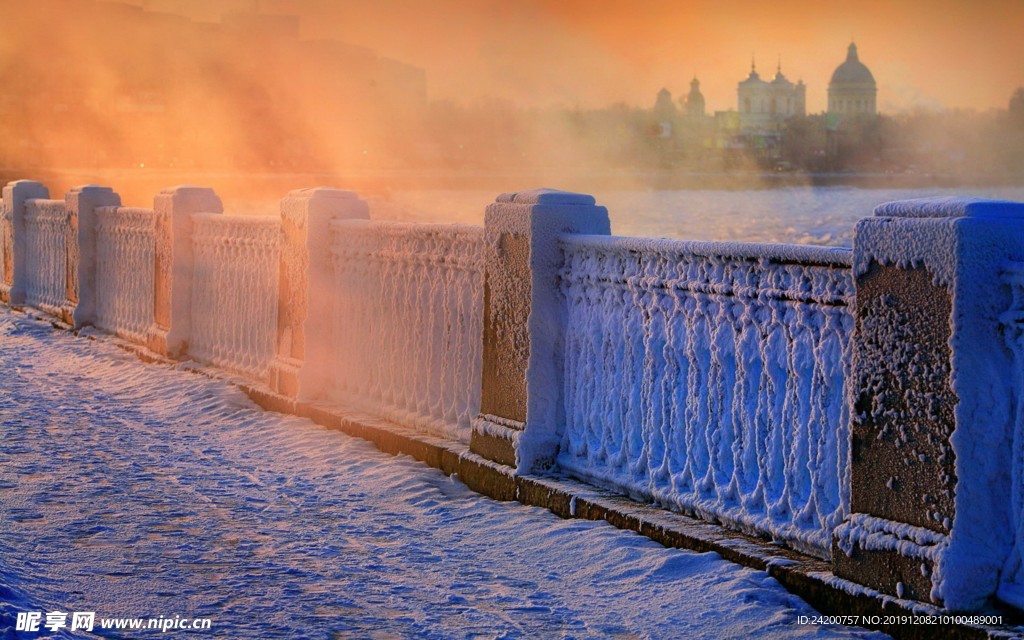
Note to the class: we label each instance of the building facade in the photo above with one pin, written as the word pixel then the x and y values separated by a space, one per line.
pixel 764 106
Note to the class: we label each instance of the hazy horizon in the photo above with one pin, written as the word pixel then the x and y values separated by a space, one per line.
pixel 940 54
pixel 488 87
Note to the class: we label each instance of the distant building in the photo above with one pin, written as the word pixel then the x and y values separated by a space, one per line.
pixel 664 114
pixel 852 90
pixel 1017 103
pixel 764 106
pixel 664 108
pixel 695 100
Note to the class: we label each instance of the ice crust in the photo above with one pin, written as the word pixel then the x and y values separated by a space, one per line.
pixel 709 377
pixel 543 216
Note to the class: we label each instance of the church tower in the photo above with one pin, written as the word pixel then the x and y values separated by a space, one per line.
pixel 764 106
pixel 695 100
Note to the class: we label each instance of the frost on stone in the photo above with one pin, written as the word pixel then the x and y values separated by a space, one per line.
pixel 407 322
pixel 710 378
pixel 903 405
pixel 125 255
pixel 234 291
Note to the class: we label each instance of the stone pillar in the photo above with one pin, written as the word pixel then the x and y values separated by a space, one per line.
pixel 12 231
pixel 521 405
pixel 172 311
pixel 933 401
pixel 302 364
pixel 82 203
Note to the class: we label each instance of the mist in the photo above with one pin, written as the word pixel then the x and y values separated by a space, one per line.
pixel 255 98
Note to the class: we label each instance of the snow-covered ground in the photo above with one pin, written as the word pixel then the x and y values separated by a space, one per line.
pixel 141 490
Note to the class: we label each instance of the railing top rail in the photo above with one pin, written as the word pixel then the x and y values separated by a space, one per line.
pixel 775 253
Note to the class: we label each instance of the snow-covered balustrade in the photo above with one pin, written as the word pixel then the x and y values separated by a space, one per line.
pixel 866 406
pixel 125 258
pixel 234 291
pixel 47 231
pixel 709 377
pixel 407 322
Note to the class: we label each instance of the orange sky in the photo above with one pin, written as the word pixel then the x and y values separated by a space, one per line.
pixel 949 53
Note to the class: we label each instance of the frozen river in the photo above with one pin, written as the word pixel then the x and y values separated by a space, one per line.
pixel 801 215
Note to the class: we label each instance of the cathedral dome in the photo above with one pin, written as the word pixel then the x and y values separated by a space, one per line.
pixel 852 71
pixel 852 90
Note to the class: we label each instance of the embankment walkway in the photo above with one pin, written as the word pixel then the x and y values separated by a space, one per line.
pixel 136 490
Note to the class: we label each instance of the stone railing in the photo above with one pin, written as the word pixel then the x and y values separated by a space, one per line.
pixel 125 255
pixel 47 227
pixel 709 377
pixel 865 406
pixel 407 321
pixel 234 292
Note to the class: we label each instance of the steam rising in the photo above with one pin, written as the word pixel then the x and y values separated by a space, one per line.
pixel 391 91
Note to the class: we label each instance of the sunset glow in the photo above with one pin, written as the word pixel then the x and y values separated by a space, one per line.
pixel 550 87
pixel 949 53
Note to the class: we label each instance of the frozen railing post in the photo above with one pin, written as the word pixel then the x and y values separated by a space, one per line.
pixel 934 404
pixel 172 298
pixel 304 303
pixel 82 203
pixel 521 398
pixel 12 232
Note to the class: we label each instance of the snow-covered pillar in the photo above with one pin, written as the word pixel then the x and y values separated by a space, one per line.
pixel 521 404
pixel 12 230
pixel 82 203
pixel 934 405
pixel 302 364
pixel 172 311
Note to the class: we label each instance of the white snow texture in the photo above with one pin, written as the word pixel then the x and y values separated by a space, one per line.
pixel 708 377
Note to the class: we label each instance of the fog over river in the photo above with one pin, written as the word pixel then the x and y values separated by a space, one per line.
pixel 801 215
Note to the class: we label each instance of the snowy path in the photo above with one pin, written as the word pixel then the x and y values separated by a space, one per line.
pixel 140 490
